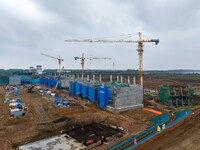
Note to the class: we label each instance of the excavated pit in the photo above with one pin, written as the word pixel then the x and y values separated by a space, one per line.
pixel 92 133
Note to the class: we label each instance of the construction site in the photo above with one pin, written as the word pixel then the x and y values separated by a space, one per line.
pixel 64 110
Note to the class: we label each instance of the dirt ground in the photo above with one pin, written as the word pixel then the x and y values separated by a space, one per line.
pixel 44 119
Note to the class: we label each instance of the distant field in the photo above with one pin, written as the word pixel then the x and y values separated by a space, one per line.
pixel 175 76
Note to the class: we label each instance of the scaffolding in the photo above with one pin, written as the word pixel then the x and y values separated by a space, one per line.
pixel 176 95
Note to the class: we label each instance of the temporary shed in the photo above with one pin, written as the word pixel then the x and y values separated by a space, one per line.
pixel 17 112
pixel 15 80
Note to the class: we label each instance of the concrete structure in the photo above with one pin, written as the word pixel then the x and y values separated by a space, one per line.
pixel 134 80
pixel 94 77
pixel 100 78
pixel 124 98
pixel 32 70
pixel 117 78
pixel 176 95
pixel 39 69
pixel 121 79
pixel 66 81
pixel 111 78
pixel 61 142
pixel 128 79
pixel 88 77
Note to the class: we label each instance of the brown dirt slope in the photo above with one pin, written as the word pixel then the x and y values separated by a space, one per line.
pixel 186 136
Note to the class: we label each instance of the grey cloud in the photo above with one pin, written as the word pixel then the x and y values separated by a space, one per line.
pixel 176 23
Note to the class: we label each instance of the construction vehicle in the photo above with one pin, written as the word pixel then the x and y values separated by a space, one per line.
pixel 29 89
pixel 58 79
pixel 140 48
pixel 59 60
pixel 83 62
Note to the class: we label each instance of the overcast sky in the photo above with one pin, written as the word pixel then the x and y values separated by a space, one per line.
pixel 31 27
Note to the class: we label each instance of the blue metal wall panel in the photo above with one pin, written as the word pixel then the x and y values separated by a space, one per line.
pixel 102 94
pixel 59 85
pixel 91 94
pixel 72 88
pixel 78 89
pixel 36 80
pixel 84 91
pixel 102 99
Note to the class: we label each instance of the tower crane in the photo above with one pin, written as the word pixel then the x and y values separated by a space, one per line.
pixel 140 50
pixel 82 58
pixel 59 60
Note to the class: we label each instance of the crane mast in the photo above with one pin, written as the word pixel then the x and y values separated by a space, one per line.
pixel 82 65
pixel 140 54
pixel 83 62
pixel 140 50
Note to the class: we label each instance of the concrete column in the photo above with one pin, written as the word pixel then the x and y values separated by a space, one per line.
pixel 100 78
pixel 141 81
pixel 78 76
pixel 134 80
pixel 121 79
pixel 117 78
pixel 128 79
pixel 88 77
pixel 111 78
pixel 94 77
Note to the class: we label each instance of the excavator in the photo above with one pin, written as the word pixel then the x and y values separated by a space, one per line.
pixel 58 79
pixel 29 89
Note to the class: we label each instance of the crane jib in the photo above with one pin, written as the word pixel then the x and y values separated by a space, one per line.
pixel 155 40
